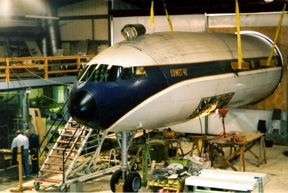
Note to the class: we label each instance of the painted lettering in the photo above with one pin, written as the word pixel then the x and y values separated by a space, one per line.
pixel 179 72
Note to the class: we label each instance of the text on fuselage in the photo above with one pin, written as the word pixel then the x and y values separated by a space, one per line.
pixel 179 72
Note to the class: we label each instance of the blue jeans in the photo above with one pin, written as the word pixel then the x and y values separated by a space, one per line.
pixel 25 163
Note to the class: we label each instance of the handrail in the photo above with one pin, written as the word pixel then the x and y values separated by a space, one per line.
pixel 43 67
pixel 55 124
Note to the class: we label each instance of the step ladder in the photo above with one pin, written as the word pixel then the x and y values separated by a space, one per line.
pixel 65 154
pixel 74 157
pixel 75 154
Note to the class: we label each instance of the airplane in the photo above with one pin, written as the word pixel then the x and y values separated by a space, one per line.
pixel 157 80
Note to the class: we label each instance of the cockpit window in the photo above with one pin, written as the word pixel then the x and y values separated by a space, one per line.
pixel 93 73
pixel 130 72
pixel 104 72
pixel 113 73
pixel 127 74
pixel 98 73
pixel 85 74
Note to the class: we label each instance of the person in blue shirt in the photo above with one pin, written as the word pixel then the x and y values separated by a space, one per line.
pixel 33 147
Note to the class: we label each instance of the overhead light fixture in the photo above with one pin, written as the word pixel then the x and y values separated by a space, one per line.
pixel 41 17
pixel 268 1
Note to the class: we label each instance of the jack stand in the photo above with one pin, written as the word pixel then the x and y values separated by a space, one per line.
pixel 145 158
pixel 222 113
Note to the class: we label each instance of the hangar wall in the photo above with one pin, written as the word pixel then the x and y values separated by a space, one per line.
pixel 89 27
pixel 85 20
pixel 198 22
pixel 194 23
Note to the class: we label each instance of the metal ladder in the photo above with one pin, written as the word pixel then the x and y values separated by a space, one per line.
pixel 65 157
pixel 74 156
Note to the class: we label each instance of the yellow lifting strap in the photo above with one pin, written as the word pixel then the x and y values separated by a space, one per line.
pixel 152 13
pixel 276 36
pixel 167 16
pixel 239 45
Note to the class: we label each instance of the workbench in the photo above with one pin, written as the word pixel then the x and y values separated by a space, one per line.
pixel 5 158
pixel 239 143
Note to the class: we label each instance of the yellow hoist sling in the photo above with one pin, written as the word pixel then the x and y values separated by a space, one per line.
pixel 239 45
pixel 167 16
pixel 152 14
pixel 276 36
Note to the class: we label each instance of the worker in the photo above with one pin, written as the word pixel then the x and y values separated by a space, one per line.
pixel 33 147
pixel 22 140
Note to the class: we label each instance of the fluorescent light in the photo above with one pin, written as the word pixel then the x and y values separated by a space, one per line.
pixel 41 17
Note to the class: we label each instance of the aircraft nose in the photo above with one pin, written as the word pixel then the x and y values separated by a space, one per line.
pixel 82 106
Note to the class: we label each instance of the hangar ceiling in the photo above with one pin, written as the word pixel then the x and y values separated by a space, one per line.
pixel 142 7
pixel 196 6
pixel 60 3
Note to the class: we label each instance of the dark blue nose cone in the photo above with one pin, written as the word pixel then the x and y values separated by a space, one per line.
pixel 82 107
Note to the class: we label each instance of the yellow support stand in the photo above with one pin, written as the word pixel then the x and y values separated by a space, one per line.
pixel 21 187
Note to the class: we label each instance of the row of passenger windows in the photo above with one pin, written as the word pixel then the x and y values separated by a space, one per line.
pixel 96 73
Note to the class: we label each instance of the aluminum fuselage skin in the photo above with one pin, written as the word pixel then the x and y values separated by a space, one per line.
pixel 187 75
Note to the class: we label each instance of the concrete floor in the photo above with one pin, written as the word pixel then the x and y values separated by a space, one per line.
pixel 276 169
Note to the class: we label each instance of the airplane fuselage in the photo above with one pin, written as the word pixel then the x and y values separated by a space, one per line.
pixel 168 78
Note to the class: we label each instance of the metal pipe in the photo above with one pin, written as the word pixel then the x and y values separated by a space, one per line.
pixel 243 14
pixel 124 156
pixel 44 39
pixel 52 26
